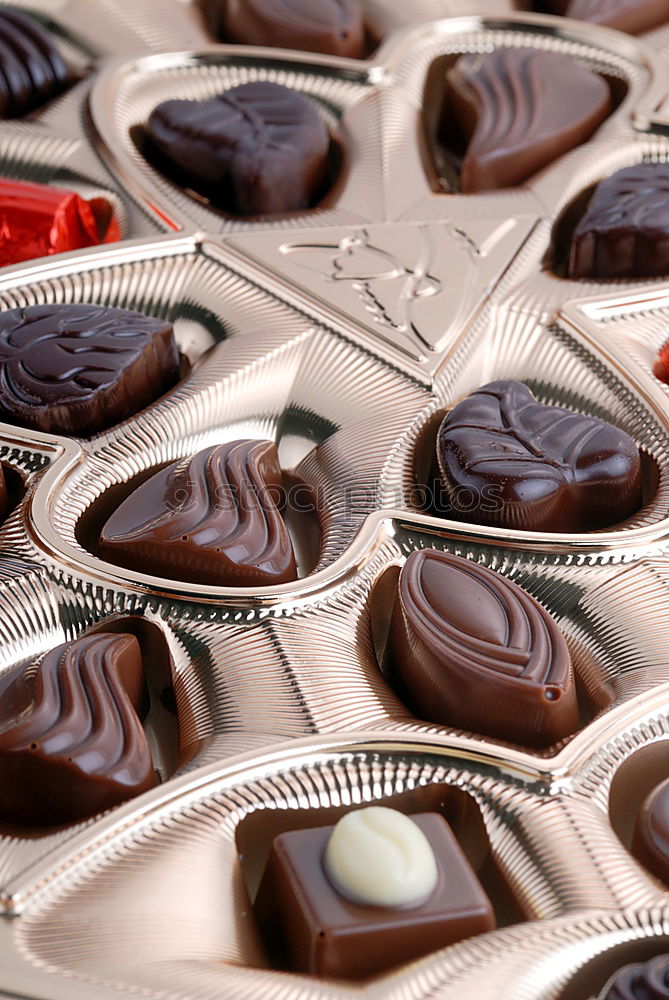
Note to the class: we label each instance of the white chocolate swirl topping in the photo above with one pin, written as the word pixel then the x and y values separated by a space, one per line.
pixel 380 857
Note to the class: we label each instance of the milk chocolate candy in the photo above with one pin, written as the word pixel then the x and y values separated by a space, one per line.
pixel 209 518
pixel 642 981
pixel 71 736
pixel 32 70
pixel 473 650
pixel 650 843
pixel 76 369
pixel 322 932
pixel 508 461
pixel 257 149
pixel 518 110
pixel 37 220
pixel 625 230
pixel 335 27
pixel 633 16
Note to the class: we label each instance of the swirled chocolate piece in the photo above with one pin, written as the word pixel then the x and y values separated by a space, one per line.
pixel 650 843
pixel 625 231
pixel 210 518
pixel 76 369
pixel 311 926
pixel 472 649
pixel 32 70
pixel 518 110
pixel 37 220
pixel 508 461
pixel 257 149
pixel 335 27
pixel 633 16
pixel 642 981
pixel 71 737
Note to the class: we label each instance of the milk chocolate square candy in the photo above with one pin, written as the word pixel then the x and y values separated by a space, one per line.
pixel 326 933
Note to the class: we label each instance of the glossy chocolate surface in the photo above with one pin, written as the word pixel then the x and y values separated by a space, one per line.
pixel 625 230
pixel 325 934
pixel 71 736
pixel 643 981
pixel 633 16
pixel 37 220
pixel 32 70
pixel 473 650
pixel 518 110
pixel 77 369
pixel 509 461
pixel 209 518
pixel 335 27
pixel 650 843
pixel 257 149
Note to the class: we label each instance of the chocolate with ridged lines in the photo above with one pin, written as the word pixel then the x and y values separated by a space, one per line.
pixel 650 842
pixel 508 461
pixel 642 981
pixel 77 369
pixel 32 70
pixel 335 27
pixel 71 736
pixel 624 232
pixel 210 518
pixel 472 649
pixel 633 16
pixel 518 111
pixel 256 149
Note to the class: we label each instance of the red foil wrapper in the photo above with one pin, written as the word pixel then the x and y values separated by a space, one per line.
pixel 36 220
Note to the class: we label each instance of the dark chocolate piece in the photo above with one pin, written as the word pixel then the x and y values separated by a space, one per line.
pixel 643 981
pixel 210 518
pixel 76 369
pixel 257 149
pixel 37 220
pixel 625 230
pixel 518 110
pixel 472 649
pixel 71 739
pixel 633 16
pixel 508 461
pixel 32 70
pixel 335 27
pixel 325 934
pixel 650 843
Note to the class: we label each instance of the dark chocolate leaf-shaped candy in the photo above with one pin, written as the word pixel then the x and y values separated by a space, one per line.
pixel 650 843
pixel 633 16
pixel 472 649
pixel 642 981
pixel 625 231
pixel 76 369
pixel 71 737
pixel 509 461
pixel 32 70
pixel 335 27
pixel 518 110
pixel 210 518
pixel 257 149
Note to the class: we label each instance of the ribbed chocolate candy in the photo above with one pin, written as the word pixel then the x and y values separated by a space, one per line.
pixel 633 16
pixel 32 70
pixel 209 518
pixel 76 369
pixel 643 981
pixel 509 461
pixel 625 230
pixel 473 650
pixel 518 110
pixel 650 843
pixel 71 737
pixel 335 27
pixel 257 149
